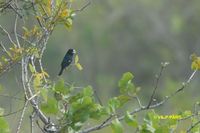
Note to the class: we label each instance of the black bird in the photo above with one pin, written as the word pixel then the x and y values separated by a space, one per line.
pixel 67 60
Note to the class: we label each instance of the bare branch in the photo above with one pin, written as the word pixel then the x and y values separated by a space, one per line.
pixel 97 127
pixel 3 47
pixel 139 102
pixel 15 31
pixel 193 126
pixel 21 37
pixel 104 122
pixel 12 113
pixel 32 117
pixel 22 116
pixel 15 10
pixel 4 30
pixel 82 8
pixel 6 5
pixel 156 86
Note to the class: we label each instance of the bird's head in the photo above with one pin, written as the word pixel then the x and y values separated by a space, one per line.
pixel 71 51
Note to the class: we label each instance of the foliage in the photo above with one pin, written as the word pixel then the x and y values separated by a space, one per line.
pixel 75 107
pixel 72 107
pixel 4 127
pixel 195 62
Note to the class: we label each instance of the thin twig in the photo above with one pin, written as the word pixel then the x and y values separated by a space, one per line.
pixel 40 61
pixel 22 116
pixel 98 98
pixel 15 10
pixel 20 36
pixel 139 102
pixel 193 126
pixel 15 31
pixel 8 67
pixel 37 122
pixel 6 5
pixel 104 122
pixel 32 116
pixel 82 8
pixel 156 86
pixel 12 113
pixel 3 47
pixel 4 30
pixel 97 127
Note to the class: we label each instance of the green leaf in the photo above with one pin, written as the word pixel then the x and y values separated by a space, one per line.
pixel 151 118
pixel 151 122
pixel 50 107
pixel 123 99
pixel 31 68
pixel 78 65
pixel 58 2
pixel 130 120
pixel 125 79
pixel 70 130
pixel 37 82
pixel 68 23
pixel 117 126
pixel 9 54
pixel 44 93
pixel 114 103
pixel 76 59
pixel 96 111
pixel 58 96
pixel 186 113
pixel 4 59
pixel 87 100
pixel 1 111
pixel 4 127
pixel 163 129
pixel 88 91
pixel 195 62
pixel 61 88
pixel 78 125
pixel 125 83
pixel 147 128
pixel 81 103
pixel 25 29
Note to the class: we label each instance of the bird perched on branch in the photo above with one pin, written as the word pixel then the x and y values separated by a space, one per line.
pixel 67 60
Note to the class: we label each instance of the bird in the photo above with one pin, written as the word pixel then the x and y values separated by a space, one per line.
pixel 67 60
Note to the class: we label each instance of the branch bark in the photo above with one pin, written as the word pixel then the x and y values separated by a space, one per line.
pixel 108 123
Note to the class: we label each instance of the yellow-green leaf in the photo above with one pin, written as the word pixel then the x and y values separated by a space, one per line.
pixel 195 62
pixel 1 111
pixel 44 93
pixel 78 65
pixel 37 81
pixel 31 68
pixel 130 120
pixel 4 127
pixel 50 107
pixel 9 54
pixel 76 59
pixel 45 74
pixel 116 126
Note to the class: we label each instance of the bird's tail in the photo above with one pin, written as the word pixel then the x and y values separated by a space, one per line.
pixel 60 72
